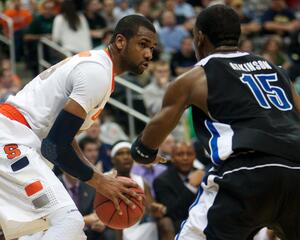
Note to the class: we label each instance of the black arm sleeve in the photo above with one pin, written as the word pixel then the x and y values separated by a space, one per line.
pixel 56 147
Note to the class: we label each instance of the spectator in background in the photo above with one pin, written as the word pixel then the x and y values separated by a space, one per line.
pixel 294 52
pixel 183 10
pixel 90 148
pixel 10 83
pixel 246 45
pixel 184 59
pixel 43 21
pixel 166 148
pixel 123 163
pixel 70 29
pixel 170 5
pixel 21 19
pixel 5 64
pixel 143 7
pixel 177 187
pixel 153 93
pixel 148 173
pixel 272 52
pixel 104 149
pixel 256 8
pixel 171 35
pixel 41 26
pixel 97 23
pixel 108 13
pixel 278 19
pixel 105 39
pixel 249 27
pixel 156 8
pixel 122 10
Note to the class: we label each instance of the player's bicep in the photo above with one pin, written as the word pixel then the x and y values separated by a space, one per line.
pixel 91 84
pixel 75 108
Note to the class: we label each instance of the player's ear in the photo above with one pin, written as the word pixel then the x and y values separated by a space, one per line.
pixel 120 42
pixel 200 38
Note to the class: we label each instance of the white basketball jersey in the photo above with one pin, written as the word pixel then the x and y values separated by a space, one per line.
pixel 86 78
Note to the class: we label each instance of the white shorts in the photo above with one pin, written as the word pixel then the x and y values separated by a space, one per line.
pixel 29 190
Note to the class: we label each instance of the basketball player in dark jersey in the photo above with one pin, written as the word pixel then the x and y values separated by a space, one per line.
pixel 246 113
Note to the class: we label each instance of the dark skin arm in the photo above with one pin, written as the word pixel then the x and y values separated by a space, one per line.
pixel 108 185
pixel 188 89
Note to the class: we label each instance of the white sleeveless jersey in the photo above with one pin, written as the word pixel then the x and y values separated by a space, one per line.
pixel 87 78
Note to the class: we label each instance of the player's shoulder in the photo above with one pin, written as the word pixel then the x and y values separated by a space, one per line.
pixel 89 60
pixel 189 79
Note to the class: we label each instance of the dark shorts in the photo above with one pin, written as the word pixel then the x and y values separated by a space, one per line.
pixel 245 194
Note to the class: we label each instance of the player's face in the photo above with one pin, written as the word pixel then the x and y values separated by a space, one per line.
pixel 183 157
pixel 123 161
pixel 138 51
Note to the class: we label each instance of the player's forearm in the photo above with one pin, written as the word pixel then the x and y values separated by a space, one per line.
pixel 159 127
pixel 58 148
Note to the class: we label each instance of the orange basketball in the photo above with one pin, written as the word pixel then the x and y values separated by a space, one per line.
pixel 105 209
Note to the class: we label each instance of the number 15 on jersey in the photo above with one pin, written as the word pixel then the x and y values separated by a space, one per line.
pixel 266 93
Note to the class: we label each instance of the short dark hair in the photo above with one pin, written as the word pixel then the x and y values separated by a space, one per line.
pixel 87 140
pixel 129 25
pixel 220 24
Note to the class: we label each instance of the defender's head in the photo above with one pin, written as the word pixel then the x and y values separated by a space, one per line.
pixel 216 26
pixel 135 39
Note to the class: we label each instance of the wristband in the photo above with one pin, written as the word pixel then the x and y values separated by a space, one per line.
pixel 141 153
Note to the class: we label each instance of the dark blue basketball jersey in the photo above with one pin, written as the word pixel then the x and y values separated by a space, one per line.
pixel 250 108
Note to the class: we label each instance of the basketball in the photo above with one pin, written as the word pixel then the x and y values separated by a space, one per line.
pixel 105 209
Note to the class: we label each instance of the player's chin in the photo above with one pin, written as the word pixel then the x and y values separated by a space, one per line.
pixel 139 69
pixel 142 68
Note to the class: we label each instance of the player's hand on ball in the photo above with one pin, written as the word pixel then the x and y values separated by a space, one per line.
pixel 114 188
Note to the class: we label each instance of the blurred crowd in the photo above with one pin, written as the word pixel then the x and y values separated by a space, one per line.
pixel 270 28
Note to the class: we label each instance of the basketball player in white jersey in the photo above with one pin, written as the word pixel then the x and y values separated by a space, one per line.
pixel 40 123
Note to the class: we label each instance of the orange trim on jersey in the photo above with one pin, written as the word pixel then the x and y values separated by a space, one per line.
pixel 13 113
pixel 97 114
pixel 85 54
pixel 113 74
pixel 33 188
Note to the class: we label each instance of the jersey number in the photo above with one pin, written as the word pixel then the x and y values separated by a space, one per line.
pixel 262 89
pixel 12 151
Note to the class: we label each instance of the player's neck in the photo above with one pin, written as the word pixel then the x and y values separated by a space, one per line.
pixel 224 49
pixel 114 58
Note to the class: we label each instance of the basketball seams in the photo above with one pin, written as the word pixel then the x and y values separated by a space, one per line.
pixel 99 205
pixel 112 216
pixel 128 215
